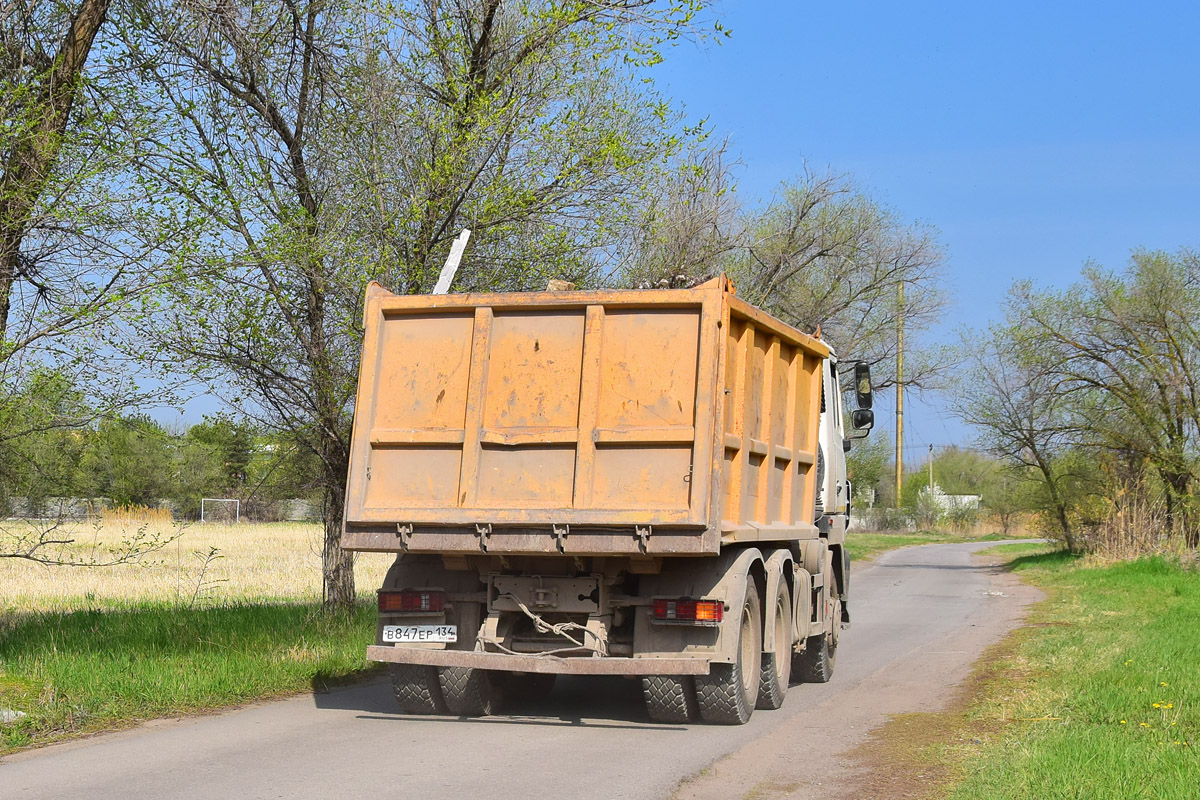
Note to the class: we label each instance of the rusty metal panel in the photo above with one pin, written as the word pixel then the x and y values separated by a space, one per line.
pixel 614 412
pixel 771 414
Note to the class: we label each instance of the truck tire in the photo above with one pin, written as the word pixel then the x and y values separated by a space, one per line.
pixel 670 698
pixel 815 664
pixel 469 692
pixel 728 693
pixel 776 671
pixel 417 689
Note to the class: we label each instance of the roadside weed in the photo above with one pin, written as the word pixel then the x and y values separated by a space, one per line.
pixel 1102 697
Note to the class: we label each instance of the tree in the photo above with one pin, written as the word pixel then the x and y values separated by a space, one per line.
pixel 78 244
pixel 958 470
pixel 1005 390
pixel 38 458
pixel 1124 351
pixel 1003 496
pixel 129 460
pixel 327 144
pixel 820 254
pixel 78 241
pixel 230 442
pixel 688 225
pixel 42 74
pixel 824 254
pixel 43 462
pixel 868 463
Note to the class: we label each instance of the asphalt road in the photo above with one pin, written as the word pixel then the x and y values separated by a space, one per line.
pixel 921 616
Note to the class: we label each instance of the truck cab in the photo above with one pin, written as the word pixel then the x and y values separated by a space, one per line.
pixel 834 503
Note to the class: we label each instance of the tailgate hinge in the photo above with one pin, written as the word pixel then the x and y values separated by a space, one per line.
pixel 404 532
pixel 560 537
pixel 643 532
pixel 484 532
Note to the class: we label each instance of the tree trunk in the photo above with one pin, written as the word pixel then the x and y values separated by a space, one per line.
pixel 1060 510
pixel 1180 516
pixel 337 565
pixel 1060 507
pixel 32 157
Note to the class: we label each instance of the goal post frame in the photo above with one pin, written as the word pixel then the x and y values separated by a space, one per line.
pixel 237 507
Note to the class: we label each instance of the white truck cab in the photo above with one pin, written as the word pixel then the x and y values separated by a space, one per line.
pixel 834 491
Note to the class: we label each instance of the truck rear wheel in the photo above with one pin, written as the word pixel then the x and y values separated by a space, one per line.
pixel 728 693
pixel 776 671
pixel 815 664
pixel 417 689
pixel 469 692
pixel 670 698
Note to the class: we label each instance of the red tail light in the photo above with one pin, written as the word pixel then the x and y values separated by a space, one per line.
pixel 703 612
pixel 421 601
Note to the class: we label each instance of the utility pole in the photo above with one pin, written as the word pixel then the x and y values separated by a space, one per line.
pixel 899 392
pixel 931 472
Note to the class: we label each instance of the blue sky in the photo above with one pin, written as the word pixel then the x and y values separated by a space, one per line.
pixel 1033 136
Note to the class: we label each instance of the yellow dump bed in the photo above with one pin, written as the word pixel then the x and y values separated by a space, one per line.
pixel 662 422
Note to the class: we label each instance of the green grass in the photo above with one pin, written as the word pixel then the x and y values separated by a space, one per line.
pixel 85 671
pixel 1102 698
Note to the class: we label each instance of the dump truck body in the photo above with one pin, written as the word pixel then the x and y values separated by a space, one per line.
pixel 590 482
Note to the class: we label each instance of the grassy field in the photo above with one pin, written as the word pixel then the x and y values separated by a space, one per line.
pixel 244 562
pixel 1098 698
pixel 223 615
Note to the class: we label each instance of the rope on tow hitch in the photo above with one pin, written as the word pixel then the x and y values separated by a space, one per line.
pixel 559 629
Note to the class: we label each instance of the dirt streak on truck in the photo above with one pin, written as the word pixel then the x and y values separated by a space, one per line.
pixel 643 483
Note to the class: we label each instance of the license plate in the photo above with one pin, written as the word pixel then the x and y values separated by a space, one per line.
pixel 420 633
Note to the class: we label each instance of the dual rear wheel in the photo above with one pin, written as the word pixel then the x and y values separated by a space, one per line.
pixel 730 692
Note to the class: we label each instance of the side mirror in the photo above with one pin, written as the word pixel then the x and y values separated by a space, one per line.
pixel 862 387
pixel 863 419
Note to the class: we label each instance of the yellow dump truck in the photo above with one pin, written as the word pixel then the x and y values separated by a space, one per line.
pixel 642 483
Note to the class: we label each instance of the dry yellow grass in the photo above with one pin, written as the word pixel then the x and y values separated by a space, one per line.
pixel 213 563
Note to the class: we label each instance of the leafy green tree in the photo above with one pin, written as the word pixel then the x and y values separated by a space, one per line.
pixel 869 463
pixel 963 471
pixel 1006 391
pixel 129 460
pixel 40 460
pixel 325 144
pixel 38 457
pixel 1007 495
pixel 916 486
pixel 230 442
pixel 1095 388
pixel 1124 350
